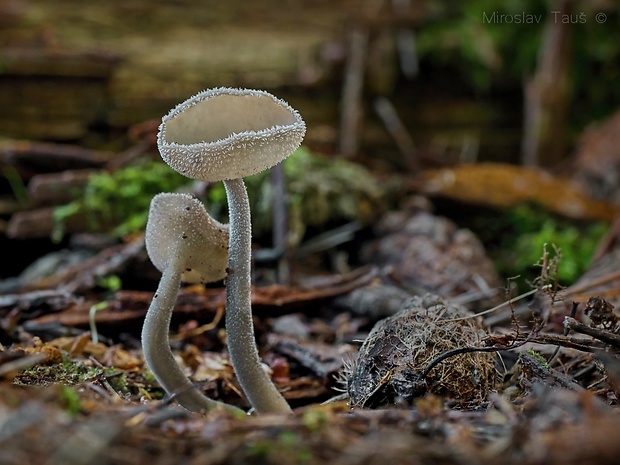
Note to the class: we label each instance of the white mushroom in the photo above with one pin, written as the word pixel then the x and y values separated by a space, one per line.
pixel 186 245
pixel 227 134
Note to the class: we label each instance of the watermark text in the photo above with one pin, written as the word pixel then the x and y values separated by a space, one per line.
pixel 496 17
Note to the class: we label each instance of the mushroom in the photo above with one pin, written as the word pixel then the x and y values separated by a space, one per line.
pixel 225 134
pixel 186 245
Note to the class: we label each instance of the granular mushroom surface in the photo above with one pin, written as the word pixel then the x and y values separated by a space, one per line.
pixel 389 365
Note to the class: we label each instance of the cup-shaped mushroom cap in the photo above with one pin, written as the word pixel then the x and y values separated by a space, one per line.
pixel 180 232
pixel 227 133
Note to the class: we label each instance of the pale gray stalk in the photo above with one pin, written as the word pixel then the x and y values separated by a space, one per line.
pixel 257 385
pixel 157 352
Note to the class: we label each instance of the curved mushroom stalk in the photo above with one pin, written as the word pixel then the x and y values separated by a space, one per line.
pixel 157 352
pixel 186 244
pixel 226 134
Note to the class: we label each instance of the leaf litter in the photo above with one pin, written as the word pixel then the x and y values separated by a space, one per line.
pixel 66 399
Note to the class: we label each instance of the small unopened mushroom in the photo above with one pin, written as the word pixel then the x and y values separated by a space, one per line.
pixel 225 134
pixel 186 245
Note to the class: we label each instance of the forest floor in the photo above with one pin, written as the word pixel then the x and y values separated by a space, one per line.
pixel 375 366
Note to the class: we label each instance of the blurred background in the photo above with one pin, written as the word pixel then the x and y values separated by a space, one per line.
pixel 468 149
pixel 396 86
pixel 455 73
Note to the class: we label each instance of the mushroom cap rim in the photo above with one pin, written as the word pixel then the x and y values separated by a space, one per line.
pixel 278 129
pixel 291 134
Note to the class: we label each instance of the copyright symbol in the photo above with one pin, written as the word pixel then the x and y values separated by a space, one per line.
pixel 600 18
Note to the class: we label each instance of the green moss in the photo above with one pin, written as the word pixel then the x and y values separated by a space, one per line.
pixel 70 400
pixel 491 42
pixel 68 373
pixel 118 202
pixel 286 447
pixel 534 227
pixel 320 191
pixel 516 240
pixel 539 358
pixel 315 420
pixel 110 282
pixel 148 376
pixel 117 380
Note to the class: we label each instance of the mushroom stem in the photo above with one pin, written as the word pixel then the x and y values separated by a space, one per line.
pixel 258 387
pixel 157 352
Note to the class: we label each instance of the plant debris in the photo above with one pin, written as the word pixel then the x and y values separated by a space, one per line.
pixel 390 364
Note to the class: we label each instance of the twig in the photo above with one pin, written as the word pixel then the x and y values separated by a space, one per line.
pixel 21 363
pixel 584 345
pixel 329 239
pixel 583 287
pixel 573 312
pixel 600 334
pixel 502 305
pixel 397 130
pixel 468 350
pixel 203 328
pixel 127 156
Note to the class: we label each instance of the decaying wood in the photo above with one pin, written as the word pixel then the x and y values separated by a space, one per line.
pixel 51 61
pixel 53 92
pixel 83 277
pixel 39 157
pixel 127 156
pixel 535 371
pixel 62 184
pixel 603 335
pixel 48 190
pixel 543 418
pixel 35 219
pixel 49 299
pixel 34 224
pixel 130 306
pixel 58 188
pixel 117 71
pixel 10 205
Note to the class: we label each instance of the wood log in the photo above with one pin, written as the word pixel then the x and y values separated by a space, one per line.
pixel 31 157
pixel 58 188
pixel 39 223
